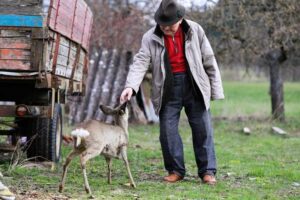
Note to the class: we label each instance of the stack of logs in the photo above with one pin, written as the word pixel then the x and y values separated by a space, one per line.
pixel 106 79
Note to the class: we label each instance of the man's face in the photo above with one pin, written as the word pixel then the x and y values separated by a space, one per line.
pixel 171 29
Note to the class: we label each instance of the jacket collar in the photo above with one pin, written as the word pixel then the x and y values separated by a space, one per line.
pixel 158 34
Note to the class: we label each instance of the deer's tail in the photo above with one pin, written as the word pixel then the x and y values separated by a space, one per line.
pixel 78 134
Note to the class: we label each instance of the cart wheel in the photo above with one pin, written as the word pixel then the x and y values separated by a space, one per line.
pixel 45 144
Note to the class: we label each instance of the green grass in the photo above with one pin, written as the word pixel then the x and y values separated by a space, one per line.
pixel 253 99
pixel 259 166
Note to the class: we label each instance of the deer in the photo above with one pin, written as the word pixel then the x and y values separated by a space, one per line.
pixel 93 138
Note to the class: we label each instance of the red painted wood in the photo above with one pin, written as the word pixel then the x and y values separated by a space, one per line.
pixel 52 17
pixel 65 17
pixel 87 29
pixel 14 65
pixel 14 54
pixel 71 18
pixel 78 27
pixel 55 4
pixel 16 43
pixel 56 14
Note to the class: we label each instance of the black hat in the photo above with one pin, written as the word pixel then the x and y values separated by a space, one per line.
pixel 169 12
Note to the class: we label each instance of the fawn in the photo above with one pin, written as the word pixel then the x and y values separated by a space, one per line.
pixel 92 138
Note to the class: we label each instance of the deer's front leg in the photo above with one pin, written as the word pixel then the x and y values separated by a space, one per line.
pixel 124 157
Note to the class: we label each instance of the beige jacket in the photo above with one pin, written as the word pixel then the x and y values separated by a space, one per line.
pixel 199 55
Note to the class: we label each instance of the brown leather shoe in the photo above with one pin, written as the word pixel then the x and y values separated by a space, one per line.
pixel 172 178
pixel 209 179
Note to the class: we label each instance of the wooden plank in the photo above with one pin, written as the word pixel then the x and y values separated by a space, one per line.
pixel 37 63
pixel 14 54
pixel 60 70
pixel 62 60
pixel 64 29
pixel 37 50
pixel 77 36
pixel 69 72
pixel 15 43
pixel 52 13
pixel 79 72
pixel 68 5
pixel 14 65
pixel 56 14
pixel 81 5
pixel 51 49
pixel 73 19
pixel 81 65
pixel 65 16
pixel 87 29
pixel 24 7
pixel 52 18
pixel 79 18
pixel 21 3
pixel 64 42
pixel 5 33
pixel 21 21
pixel 86 64
pixel 82 57
pixel 75 63
pixel 57 41
pixel 49 62
pixel 55 3
pixel 72 55
pixel 68 17
pixel 63 50
pixel 33 10
pixel 80 21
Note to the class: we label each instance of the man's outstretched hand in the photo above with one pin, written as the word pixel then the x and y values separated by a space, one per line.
pixel 126 95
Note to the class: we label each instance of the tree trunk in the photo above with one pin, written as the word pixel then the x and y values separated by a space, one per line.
pixel 277 92
pixel 276 85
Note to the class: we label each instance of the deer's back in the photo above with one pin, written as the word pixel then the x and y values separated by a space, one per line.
pixel 104 134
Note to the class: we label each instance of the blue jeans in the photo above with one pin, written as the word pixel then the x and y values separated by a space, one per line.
pixel 200 122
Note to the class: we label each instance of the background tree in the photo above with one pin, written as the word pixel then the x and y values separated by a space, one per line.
pixel 249 31
pixel 117 24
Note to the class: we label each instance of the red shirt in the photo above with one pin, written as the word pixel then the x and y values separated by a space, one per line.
pixel 175 47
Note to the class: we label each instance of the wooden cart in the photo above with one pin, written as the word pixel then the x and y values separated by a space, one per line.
pixel 43 59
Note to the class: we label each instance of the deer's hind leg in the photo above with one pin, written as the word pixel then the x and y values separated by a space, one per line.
pixel 84 157
pixel 70 157
pixel 108 161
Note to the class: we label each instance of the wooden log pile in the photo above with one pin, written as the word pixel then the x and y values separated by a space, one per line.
pixel 105 82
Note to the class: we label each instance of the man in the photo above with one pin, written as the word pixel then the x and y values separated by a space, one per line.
pixel 185 74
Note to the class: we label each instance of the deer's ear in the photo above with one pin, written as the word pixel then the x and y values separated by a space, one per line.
pixel 107 110
pixel 123 106
pixel 121 112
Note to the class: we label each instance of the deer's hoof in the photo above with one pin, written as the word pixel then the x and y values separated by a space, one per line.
pixel 133 185
pixel 91 197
